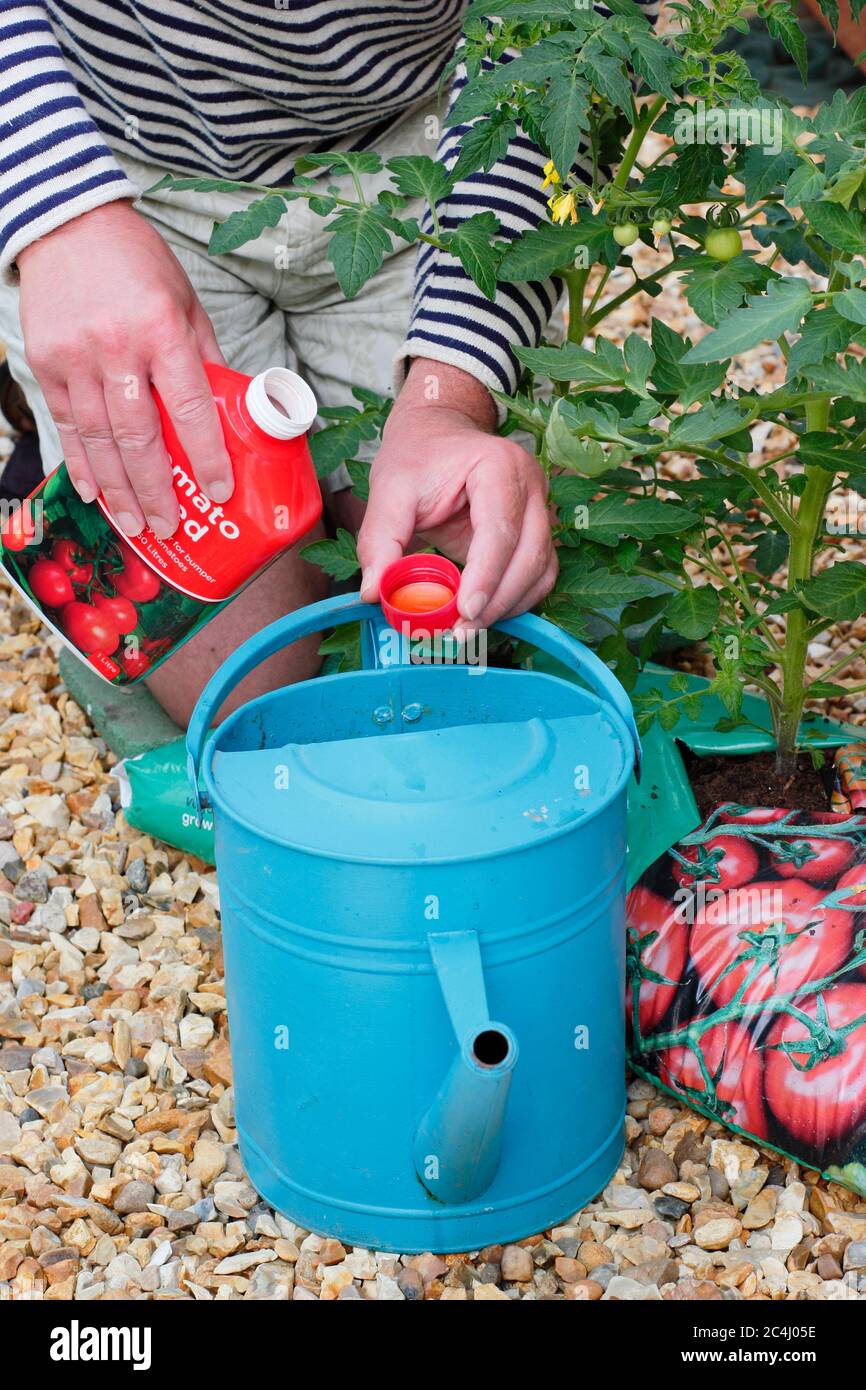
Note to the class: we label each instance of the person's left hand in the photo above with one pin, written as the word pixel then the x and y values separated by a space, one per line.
pixel 478 498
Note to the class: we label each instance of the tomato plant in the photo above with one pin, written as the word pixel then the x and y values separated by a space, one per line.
pixel 771 938
pixel 658 948
pixel 51 585
pixel 760 214
pixel 816 1065
pixel 734 1075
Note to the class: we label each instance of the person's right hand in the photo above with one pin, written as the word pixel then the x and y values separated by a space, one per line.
pixel 106 311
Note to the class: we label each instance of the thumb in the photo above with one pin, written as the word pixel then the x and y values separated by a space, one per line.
pixel 387 529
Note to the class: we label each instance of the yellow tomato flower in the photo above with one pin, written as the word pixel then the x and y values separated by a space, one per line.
pixel 550 174
pixel 563 207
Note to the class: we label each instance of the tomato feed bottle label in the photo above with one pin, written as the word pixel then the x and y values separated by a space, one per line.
pixel 125 604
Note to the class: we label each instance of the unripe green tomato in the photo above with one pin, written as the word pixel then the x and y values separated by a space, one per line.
pixel 723 243
pixel 625 233
pixel 661 226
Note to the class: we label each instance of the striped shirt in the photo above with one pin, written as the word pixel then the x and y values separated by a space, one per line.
pixel 240 88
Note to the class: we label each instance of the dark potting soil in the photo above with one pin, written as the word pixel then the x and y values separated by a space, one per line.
pixel 754 781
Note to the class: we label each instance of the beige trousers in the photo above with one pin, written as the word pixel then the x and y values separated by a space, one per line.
pixel 275 302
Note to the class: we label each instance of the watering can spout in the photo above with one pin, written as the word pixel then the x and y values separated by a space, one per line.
pixel 458 1142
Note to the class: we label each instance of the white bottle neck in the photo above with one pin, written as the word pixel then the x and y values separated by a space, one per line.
pixel 281 403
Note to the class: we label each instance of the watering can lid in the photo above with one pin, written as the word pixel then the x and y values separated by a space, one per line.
pixel 450 793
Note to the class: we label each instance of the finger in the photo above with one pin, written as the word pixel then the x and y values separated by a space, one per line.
pixel 138 437
pixel 74 455
pixel 90 414
pixel 496 512
pixel 387 529
pixel 209 348
pixel 529 562
pixel 538 591
pixel 180 379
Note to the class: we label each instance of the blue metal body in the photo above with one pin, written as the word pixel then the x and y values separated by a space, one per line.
pixel 421 873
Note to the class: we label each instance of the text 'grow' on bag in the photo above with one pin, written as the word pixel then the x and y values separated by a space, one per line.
pixel 422 886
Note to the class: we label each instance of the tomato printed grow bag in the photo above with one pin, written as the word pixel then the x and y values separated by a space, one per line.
pixel 746 992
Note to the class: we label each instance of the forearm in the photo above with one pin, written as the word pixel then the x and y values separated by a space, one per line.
pixel 54 164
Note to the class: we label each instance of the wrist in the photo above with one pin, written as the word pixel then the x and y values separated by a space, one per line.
pixel 105 217
pixel 432 385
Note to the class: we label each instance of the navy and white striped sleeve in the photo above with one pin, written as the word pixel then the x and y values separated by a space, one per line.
pixel 452 320
pixel 54 164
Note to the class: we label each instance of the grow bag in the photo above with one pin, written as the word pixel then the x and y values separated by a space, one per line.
pixel 746 991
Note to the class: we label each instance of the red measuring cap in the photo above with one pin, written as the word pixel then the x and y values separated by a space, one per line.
pixel 418 594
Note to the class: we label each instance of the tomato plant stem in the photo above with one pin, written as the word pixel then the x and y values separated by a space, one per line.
pixel 810 515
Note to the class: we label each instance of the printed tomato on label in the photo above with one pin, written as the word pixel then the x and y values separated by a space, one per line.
pixel 119 610
pixel 780 930
pixel 751 815
pixel 74 561
pixel 816 860
pixel 649 916
pixel 20 529
pixel 818 1091
pixel 135 580
pixel 734 1062
pixel 723 862
pixel 135 663
pixel 854 877
pixel 88 629
pixel 50 584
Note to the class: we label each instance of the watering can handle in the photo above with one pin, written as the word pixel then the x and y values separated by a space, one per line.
pixel 579 659
pixel 347 608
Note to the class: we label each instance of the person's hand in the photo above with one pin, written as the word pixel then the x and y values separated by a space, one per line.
pixel 106 310
pixel 480 499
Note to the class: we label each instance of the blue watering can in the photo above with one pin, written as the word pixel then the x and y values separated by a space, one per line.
pixel 421 873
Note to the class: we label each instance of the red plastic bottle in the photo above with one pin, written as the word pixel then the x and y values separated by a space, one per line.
pixel 174 585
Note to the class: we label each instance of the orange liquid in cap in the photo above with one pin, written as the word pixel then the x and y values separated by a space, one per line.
pixel 423 596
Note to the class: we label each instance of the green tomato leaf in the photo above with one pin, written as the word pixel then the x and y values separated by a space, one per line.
pixel 843 229
pixel 687 384
pixel 339 443
pixel 693 613
pixel 851 304
pixel 847 380
pixel 838 593
pixel 764 171
pixel 616 515
pixel 341 161
pixel 419 176
pixel 484 144
pixel 338 558
pixel 769 315
pixel 600 588
pixel 639 360
pixel 573 363
pixel 782 23
pixel 566 118
pixel 470 243
pixel 358 246
pixel 714 288
pixel 823 333
pixel 713 421
pixel 247 224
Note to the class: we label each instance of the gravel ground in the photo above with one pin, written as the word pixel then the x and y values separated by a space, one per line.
pixel 119 1172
